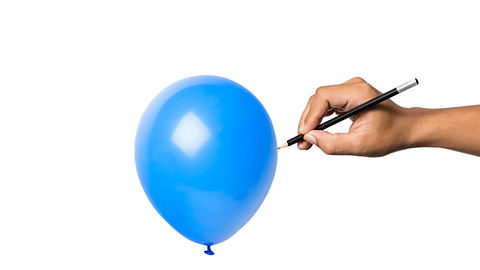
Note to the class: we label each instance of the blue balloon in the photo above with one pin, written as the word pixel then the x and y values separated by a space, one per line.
pixel 206 155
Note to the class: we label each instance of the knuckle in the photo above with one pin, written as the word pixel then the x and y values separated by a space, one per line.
pixel 308 121
pixel 359 79
pixel 330 148
pixel 364 86
pixel 320 90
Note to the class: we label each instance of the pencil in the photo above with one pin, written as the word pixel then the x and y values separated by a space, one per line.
pixel 355 110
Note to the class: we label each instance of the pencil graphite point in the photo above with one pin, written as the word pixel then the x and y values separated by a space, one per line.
pixel 282 146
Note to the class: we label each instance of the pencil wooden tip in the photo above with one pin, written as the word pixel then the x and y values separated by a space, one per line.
pixel 283 146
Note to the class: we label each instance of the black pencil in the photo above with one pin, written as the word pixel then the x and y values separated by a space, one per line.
pixel 356 110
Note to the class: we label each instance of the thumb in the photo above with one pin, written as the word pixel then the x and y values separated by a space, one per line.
pixel 332 144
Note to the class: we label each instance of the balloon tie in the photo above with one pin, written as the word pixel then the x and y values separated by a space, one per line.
pixel 209 251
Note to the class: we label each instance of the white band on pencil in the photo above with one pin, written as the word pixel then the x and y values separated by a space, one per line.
pixel 407 85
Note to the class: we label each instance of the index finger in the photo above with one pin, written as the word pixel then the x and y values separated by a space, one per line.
pixel 345 96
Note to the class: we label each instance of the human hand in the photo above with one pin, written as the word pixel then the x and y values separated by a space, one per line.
pixel 378 131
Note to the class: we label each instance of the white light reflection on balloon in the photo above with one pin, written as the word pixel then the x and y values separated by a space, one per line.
pixel 190 134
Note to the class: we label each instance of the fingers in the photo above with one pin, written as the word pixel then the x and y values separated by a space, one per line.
pixel 333 99
pixel 303 145
pixel 333 144
pixel 301 123
pixel 304 114
pixel 344 96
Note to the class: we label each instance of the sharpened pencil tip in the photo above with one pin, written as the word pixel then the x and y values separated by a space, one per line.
pixel 282 146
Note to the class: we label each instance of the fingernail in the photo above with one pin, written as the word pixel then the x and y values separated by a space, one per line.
pixel 309 138
pixel 301 127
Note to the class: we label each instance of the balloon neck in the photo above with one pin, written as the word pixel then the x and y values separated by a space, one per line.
pixel 209 251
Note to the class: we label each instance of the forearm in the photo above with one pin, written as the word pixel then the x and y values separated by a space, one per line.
pixel 452 128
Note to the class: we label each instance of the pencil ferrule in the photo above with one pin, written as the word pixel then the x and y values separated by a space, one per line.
pixel 407 85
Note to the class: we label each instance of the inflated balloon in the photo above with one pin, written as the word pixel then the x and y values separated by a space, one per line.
pixel 206 155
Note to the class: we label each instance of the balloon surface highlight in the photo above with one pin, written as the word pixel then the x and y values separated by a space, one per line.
pixel 206 155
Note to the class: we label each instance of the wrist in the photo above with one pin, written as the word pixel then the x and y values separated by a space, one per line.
pixel 450 128
pixel 423 128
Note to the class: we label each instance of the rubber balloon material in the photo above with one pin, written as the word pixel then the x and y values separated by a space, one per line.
pixel 209 251
pixel 206 155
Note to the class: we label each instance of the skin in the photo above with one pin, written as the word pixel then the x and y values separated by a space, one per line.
pixel 386 127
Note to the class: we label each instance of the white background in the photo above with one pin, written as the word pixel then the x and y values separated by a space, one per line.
pixel 75 78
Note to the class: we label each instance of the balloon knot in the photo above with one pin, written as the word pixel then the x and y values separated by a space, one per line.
pixel 209 251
